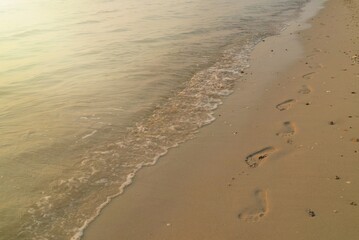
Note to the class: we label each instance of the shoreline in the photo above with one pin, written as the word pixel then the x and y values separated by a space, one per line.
pixel 268 164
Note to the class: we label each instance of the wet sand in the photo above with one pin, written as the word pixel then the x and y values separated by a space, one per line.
pixel 280 162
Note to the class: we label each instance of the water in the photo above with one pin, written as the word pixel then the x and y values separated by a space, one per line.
pixel 91 91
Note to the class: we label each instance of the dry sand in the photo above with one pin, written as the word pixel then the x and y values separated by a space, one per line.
pixel 280 162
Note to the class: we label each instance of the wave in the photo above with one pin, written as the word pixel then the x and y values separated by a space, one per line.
pixel 103 173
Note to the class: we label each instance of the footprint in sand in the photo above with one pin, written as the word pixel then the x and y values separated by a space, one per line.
pixel 308 75
pixel 305 90
pixel 287 131
pixel 285 105
pixel 258 209
pixel 257 158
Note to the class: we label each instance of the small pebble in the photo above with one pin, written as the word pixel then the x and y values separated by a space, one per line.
pixel 337 178
pixel 353 204
pixel 311 213
pixel 331 123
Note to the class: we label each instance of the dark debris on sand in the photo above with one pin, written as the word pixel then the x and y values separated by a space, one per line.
pixel 311 213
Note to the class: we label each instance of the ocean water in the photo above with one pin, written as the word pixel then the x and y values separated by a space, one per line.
pixel 93 90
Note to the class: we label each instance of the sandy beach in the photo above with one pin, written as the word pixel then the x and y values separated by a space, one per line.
pixel 280 162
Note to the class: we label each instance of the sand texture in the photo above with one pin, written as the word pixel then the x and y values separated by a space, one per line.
pixel 280 162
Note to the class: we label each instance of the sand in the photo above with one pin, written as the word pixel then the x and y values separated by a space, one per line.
pixel 280 162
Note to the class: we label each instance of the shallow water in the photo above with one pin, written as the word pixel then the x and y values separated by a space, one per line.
pixel 91 91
